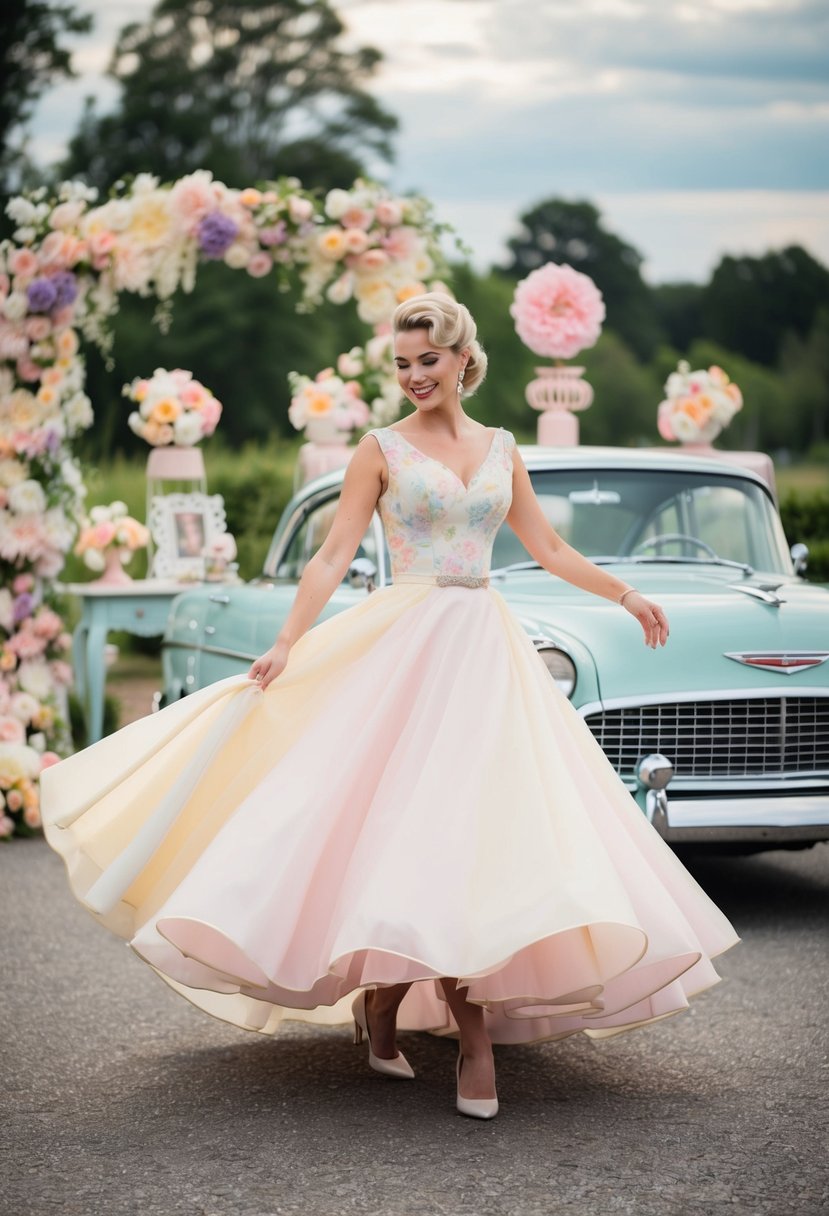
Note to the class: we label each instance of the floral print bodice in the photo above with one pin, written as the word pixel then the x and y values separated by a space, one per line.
pixel 435 524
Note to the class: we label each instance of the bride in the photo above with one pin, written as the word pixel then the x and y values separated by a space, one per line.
pixel 398 802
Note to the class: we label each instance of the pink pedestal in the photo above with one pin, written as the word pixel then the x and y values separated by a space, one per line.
pixel 558 392
pixel 314 459
pixel 175 464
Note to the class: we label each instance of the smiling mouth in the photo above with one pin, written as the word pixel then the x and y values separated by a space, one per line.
pixel 421 393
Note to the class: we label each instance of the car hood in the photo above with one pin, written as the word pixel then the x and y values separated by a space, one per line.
pixel 711 612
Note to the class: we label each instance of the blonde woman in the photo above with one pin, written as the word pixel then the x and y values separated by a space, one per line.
pixel 397 816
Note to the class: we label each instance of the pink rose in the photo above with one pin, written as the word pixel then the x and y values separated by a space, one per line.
pixel 389 213
pixel 557 311
pixel 37 328
pixel 276 235
pixel 373 259
pixel 300 209
pixel 100 535
pixel 401 243
pixel 47 623
pixel 31 816
pixel 210 414
pixel 6 825
pixel 23 262
pixel 101 244
pixel 357 217
pixel 66 214
pixel 27 370
pixel 14 800
pixel 259 265
pixel 12 730
pixel 22 583
pixel 356 241
pixel 62 671
pixel 48 759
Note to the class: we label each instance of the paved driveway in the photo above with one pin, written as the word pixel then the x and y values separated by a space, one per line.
pixel 126 1101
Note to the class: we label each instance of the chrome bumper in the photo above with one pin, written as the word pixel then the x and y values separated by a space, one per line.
pixel 771 818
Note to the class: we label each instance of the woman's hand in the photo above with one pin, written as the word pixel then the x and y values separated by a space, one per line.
pixel 269 665
pixel 650 616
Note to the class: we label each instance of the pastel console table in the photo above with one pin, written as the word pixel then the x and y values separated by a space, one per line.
pixel 141 607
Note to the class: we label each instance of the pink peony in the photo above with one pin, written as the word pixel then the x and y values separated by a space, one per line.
pixel 373 259
pixel 37 328
pixel 23 262
pixel 12 730
pixel 389 213
pixel 401 243
pixel 259 265
pixel 211 412
pixel 557 311
pixel 357 217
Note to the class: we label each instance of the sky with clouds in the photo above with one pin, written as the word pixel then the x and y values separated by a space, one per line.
pixel 698 127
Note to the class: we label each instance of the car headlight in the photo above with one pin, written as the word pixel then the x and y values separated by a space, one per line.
pixel 561 667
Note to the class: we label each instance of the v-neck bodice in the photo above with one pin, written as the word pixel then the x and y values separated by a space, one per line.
pixel 435 524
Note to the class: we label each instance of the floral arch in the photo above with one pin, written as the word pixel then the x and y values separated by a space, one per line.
pixel 61 276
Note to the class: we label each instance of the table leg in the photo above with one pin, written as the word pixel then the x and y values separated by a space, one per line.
pixel 79 651
pixel 96 681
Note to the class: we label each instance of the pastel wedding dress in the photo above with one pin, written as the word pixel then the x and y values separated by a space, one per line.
pixel 413 797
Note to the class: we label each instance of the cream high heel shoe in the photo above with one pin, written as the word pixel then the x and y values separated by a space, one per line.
pixel 478 1108
pixel 398 1066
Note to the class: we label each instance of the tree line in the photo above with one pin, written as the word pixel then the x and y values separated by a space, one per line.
pixel 255 89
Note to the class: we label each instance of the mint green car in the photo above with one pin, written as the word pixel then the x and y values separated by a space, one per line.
pixel 722 737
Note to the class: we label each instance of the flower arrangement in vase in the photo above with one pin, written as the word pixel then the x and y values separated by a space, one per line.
pixel 173 408
pixel 360 389
pixel 108 538
pixel 697 405
pixel 558 311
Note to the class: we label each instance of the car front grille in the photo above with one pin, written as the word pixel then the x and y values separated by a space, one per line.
pixel 739 738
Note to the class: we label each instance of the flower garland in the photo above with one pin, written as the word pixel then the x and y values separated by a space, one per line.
pixel 61 274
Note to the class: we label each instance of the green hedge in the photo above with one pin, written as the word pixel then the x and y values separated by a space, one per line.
pixel 806 518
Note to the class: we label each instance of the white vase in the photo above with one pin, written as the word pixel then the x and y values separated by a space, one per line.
pixel 557 393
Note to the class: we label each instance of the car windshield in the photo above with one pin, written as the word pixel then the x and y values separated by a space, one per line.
pixel 656 516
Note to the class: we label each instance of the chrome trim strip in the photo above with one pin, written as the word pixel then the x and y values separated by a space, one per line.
pixel 721 694
pixel 805 812
pixel 802 660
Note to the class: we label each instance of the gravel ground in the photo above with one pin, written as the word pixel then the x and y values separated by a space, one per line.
pixel 123 1100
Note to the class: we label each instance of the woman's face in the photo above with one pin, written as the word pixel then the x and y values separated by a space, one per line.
pixel 427 374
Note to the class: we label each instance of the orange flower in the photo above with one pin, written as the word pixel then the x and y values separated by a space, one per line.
pixel 165 410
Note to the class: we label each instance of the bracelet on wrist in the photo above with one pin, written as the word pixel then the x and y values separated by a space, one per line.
pixel 629 591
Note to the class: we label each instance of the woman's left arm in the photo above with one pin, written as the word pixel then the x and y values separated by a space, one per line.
pixel 544 544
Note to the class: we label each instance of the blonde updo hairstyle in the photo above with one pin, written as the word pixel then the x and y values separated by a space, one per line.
pixel 449 324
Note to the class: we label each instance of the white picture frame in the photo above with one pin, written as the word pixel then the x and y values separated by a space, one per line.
pixel 182 527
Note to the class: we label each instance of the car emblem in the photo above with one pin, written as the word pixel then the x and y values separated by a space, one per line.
pixel 784 662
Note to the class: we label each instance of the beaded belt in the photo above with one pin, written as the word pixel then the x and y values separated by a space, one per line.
pixel 443 580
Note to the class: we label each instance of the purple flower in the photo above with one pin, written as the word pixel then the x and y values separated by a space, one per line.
pixel 42 295
pixel 66 286
pixel 22 607
pixel 216 234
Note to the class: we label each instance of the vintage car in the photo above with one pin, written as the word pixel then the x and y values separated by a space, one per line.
pixel 722 737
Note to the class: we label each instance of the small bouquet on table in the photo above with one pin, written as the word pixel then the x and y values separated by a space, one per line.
pixel 109 537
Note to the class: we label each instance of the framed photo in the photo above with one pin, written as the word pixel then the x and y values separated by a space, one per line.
pixel 182 528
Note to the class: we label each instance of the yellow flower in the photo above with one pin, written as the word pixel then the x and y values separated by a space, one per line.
pixel 331 243
pixel 320 403
pixel 67 343
pixel 151 220
pixel 165 410
pixel 408 291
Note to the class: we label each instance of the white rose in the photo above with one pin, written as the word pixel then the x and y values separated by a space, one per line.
pixel 58 530
pixel 136 423
pixel 94 560
pixel 6 615
pixel 38 741
pixel 12 472
pixel 341 289
pixel 16 306
pixel 144 183
pixel 20 210
pixel 24 706
pixel 78 412
pixel 684 428
pixel 118 509
pixel 99 515
pixel 337 202
pixel 27 497
pixel 237 256
pixel 18 760
pixel 34 676
pixel 70 473
pixel 187 429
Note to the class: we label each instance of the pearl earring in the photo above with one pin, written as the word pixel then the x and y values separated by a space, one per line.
pixel 461 375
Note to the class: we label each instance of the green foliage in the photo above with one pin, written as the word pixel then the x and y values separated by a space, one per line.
pixel 572 233
pixel 250 89
pixel 31 58
pixel 750 303
pixel 806 519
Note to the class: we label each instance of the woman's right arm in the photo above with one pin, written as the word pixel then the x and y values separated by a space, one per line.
pixel 362 486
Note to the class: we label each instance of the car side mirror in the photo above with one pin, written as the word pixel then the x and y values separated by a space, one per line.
pixel 800 557
pixel 361 573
